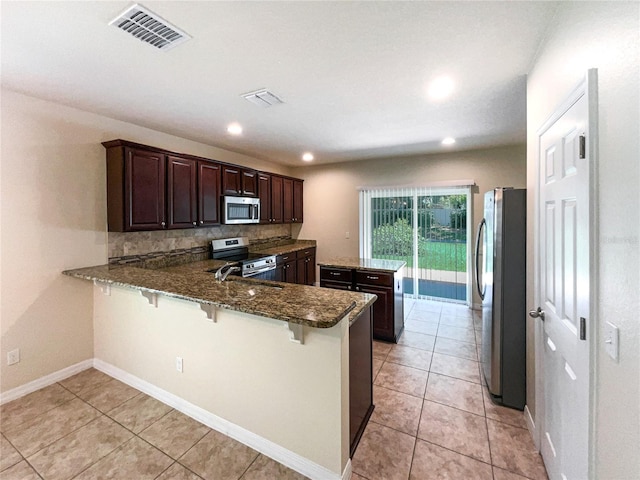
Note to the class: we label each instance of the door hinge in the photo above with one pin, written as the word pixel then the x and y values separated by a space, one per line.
pixel 583 328
pixel 583 146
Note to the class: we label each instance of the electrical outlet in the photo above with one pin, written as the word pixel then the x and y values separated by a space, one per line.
pixel 347 235
pixel 13 357
pixel 179 364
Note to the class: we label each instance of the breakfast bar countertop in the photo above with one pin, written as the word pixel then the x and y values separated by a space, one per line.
pixel 299 304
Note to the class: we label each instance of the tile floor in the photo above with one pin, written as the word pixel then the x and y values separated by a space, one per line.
pixel 433 420
pixel 433 417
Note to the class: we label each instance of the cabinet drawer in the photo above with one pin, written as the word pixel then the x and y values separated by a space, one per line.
pixel 287 257
pixel 336 274
pixel 307 252
pixel 374 278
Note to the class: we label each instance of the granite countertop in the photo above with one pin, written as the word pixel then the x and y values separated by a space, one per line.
pixel 284 248
pixel 300 304
pixel 373 264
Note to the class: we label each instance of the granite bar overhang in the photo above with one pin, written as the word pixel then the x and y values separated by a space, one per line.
pixel 299 304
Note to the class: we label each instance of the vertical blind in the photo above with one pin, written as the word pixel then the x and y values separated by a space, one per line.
pixel 427 227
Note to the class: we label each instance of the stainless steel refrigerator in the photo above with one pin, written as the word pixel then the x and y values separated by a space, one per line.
pixel 500 260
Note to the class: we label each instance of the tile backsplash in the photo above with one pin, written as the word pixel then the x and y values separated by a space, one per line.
pixel 135 244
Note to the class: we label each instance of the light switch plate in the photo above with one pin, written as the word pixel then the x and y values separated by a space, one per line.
pixel 611 336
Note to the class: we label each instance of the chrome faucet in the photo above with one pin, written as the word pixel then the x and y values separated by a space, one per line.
pixel 222 274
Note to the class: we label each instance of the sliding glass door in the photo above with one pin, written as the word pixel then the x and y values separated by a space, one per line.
pixel 428 229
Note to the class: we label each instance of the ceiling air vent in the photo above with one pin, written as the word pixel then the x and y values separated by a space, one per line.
pixel 263 98
pixel 149 27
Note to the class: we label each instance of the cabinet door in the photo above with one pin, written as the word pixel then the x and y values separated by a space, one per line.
pixel 382 311
pixel 144 190
pixel 297 201
pixel 276 199
pixel 208 193
pixel 249 183
pixel 287 200
pixel 290 274
pixel 181 192
pixel 264 193
pixel 231 180
pixel 307 266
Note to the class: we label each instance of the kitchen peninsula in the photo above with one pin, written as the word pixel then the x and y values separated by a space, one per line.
pixel 268 363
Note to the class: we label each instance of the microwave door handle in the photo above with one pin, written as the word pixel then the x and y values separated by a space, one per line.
pixel 256 212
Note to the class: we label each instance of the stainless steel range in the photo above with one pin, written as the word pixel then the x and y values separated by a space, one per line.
pixel 236 252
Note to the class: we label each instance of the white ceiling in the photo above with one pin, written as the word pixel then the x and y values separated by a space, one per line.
pixel 353 75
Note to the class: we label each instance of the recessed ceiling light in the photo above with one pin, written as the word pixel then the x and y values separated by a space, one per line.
pixel 234 128
pixel 440 88
pixel 307 157
pixel 448 141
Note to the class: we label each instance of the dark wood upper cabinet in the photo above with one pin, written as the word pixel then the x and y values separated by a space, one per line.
pixel 264 193
pixel 292 191
pixel 182 207
pixel 208 193
pixel 135 189
pixel 239 181
pixel 276 198
pixel 270 193
pixel 249 183
pixel 149 188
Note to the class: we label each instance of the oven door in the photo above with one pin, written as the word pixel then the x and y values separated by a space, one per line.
pixel 238 210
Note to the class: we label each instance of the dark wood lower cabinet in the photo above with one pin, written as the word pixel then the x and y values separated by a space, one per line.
pixel 360 378
pixel 388 309
pixel 297 267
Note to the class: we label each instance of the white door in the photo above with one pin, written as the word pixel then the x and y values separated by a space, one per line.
pixel 563 295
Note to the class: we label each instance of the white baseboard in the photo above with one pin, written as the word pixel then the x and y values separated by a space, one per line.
pixel 531 425
pixel 270 449
pixel 348 471
pixel 45 381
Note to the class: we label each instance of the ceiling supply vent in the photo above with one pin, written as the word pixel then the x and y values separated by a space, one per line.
pixel 149 27
pixel 263 98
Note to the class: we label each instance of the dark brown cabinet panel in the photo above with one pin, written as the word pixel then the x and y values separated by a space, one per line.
pixel 287 200
pixel 292 192
pixel 239 181
pixel 306 268
pixel 264 193
pixel 286 268
pixel 360 378
pixel 382 310
pixel 144 192
pixel 182 205
pixel 297 201
pixel 208 193
pixel 332 275
pixel 276 199
pixel 249 183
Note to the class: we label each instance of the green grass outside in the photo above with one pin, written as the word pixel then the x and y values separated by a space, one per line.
pixel 450 257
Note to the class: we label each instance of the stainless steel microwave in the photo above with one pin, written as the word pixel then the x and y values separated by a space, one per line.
pixel 237 210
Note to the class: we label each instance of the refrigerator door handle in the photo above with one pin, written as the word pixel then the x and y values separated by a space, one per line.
pixel 481 225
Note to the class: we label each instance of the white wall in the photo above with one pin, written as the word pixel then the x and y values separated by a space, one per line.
pixel 242 368
pixel 331 191
pixel 53 214
pixel 603 35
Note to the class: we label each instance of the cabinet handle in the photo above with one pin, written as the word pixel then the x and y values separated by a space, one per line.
pixel 358 288
pixel 194 224
pixel 372 278
pixel 335 274
pixel 162 223
pixel 201 222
